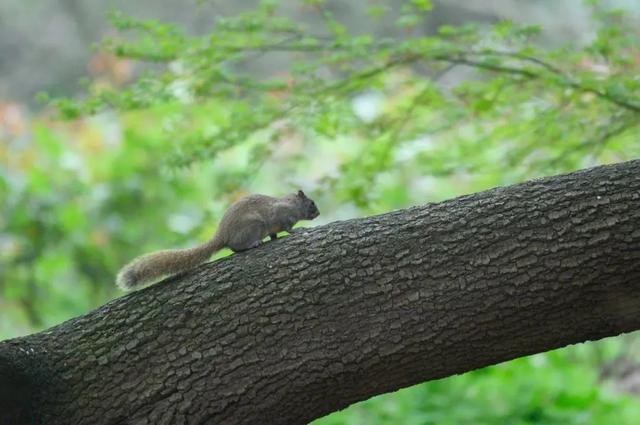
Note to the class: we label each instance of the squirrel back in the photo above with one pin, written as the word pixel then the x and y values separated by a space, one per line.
pixel 243 226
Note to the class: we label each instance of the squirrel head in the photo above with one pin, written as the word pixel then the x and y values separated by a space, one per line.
pixel 309 208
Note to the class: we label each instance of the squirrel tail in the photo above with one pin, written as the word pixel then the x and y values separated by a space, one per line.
pixel 151 267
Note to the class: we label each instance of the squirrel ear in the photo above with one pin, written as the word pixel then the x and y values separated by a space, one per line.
pixel 301 194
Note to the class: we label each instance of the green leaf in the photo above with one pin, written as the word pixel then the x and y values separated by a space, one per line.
pixel 423 5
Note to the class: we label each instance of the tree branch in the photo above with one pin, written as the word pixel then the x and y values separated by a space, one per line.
pixel 311 323
pixel 565 80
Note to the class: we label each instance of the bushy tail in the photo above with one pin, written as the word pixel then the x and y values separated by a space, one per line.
pixel 151 267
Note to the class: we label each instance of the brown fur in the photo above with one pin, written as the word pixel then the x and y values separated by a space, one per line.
pixel 244 225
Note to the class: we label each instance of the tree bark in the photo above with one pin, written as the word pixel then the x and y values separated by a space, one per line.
pixel 311 323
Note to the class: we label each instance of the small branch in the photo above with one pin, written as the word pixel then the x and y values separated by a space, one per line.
pixel 568 81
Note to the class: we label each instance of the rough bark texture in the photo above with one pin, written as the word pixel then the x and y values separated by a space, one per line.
pixel 311 323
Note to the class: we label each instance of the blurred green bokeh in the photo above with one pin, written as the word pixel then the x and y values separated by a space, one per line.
pixel 152 170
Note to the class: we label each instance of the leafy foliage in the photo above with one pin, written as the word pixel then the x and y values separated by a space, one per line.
pixel 367 122
pixel 533 110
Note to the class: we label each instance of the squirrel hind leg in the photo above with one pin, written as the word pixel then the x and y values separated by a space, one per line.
pixel 248 238
pixel 255 244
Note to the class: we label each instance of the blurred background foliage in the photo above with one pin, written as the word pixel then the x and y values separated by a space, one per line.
pixel 368 106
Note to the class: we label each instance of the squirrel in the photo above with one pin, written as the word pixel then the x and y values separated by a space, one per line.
pixel 243 226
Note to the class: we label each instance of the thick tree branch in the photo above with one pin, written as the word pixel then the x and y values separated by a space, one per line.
pixel 314 322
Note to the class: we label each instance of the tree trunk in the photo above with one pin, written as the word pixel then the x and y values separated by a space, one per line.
pixel 303 326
